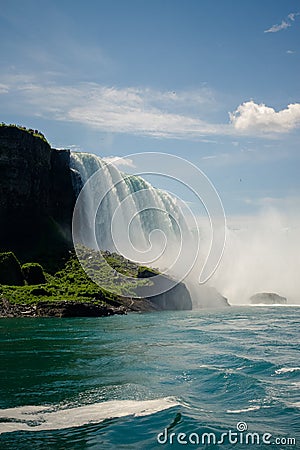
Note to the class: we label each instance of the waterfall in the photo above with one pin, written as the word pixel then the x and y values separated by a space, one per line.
pixel 125 214
pixel 143 207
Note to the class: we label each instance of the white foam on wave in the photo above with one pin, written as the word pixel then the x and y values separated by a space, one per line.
pixel 41 418
pixel 293 405
pixel 238 411
pixel 287 369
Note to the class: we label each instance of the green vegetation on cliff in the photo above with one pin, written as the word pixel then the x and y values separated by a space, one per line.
pixel 35 133
pixel 70 289
pixel 31 285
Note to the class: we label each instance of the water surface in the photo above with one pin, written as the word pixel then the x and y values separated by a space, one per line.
pixel 116 382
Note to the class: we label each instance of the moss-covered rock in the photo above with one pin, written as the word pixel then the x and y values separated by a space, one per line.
pixel 146 272
pixel 10 270
pixel 33 273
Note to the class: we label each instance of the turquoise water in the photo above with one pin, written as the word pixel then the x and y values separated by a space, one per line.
pixel 205 370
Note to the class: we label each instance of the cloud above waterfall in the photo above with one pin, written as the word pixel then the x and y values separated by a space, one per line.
pixel 251 116
pixel 144 111
pixel 132 110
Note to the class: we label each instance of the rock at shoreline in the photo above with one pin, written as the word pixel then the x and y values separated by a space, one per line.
pixel 267 298
pixel 58 309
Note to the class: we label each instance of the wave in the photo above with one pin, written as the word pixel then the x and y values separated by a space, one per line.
pixel 287 370
pixel 293 405
pixel 237 411
pixel 40 418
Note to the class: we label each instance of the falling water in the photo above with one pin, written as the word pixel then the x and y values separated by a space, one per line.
pixel 149 211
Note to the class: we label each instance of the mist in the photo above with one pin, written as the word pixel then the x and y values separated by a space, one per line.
pixel 261 255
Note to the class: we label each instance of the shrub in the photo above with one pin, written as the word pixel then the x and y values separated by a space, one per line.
pixel 10 270
pixel 33 273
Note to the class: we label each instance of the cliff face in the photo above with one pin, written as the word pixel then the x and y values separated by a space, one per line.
pixel 36 196
pixel 25 166
pixel 62 197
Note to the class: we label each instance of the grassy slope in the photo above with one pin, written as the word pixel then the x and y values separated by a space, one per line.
pixel 73 284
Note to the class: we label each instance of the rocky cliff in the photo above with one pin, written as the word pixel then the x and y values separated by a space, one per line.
pixel 36 196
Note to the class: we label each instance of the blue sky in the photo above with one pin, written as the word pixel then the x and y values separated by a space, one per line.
pixel 215 82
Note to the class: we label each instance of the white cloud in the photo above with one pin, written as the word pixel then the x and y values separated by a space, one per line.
pixel 251 116
pixel 141 111
pixel 290 52
pixel 284 24
pixel 275 28
pixel 4 89
pixel 292 16
pixel 209 157
pixel 119 161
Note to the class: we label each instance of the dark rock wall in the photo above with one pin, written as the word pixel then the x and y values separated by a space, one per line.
pixel 25 165
pixel 36 196
pixel 62 195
